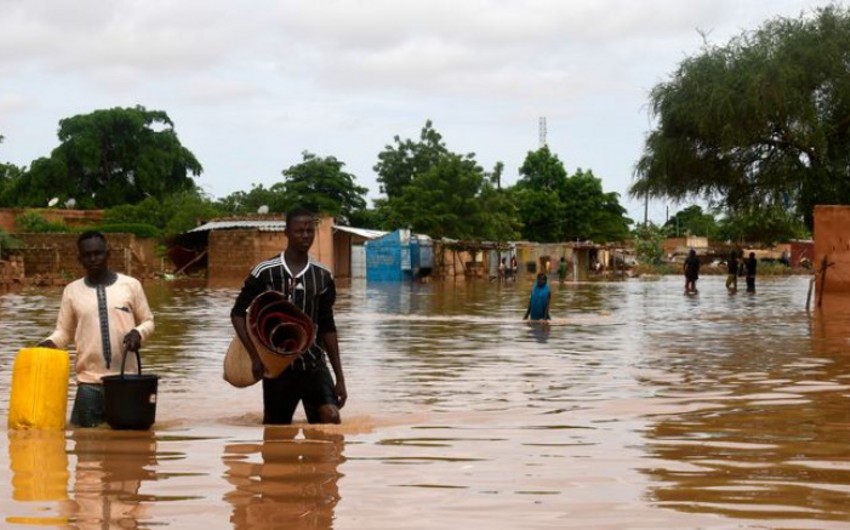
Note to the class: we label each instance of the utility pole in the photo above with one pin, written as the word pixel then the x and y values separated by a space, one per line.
pixel 646 211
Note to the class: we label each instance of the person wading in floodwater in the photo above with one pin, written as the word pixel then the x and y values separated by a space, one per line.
pixel 310 286
pixel 538 304
pixel 732 271
pixel 750 264
pixel 104 314
pixel 691 268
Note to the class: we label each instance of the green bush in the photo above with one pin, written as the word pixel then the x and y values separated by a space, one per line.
pixel 138 229
pixel 8 243
pixel 31 222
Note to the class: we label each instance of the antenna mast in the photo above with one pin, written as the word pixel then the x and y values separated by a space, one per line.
pixel 542 131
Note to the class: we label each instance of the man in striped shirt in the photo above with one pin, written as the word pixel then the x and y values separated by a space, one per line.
pixel 310 286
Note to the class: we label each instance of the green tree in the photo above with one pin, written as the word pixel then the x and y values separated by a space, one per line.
pixel 542 170
pixel 539 213
pixel 555 207
pixel 10 175
pixel 8 244
pixel 111 157
pixel 171 215
pixel 46 178
pixel 321 185
pixel 499 216
pixel 762 225
pixel 692 221
pixel 372 218
pixel 398 164
pixel 649 240
pixel 538 196
pixel 441 193
pixel 246 202
pixel 444 201
pixel 759 123
pixel 589 212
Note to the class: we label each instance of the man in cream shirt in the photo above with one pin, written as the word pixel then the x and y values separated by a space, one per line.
pixel 104 314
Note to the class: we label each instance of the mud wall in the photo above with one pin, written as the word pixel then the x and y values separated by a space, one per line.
pixel 55 255
pixel 234 252
pixel 832 243
pixel 72 218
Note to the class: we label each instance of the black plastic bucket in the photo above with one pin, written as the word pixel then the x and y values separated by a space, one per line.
pixel 130 399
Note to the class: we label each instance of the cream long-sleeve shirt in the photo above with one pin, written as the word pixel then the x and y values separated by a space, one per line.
pixel 79 322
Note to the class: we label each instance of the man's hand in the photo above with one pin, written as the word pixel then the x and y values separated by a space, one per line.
pixel 341 394
pixel 257 367
pixel 47 343
pixel 133 340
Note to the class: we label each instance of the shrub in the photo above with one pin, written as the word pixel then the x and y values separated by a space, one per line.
pixel 138 229
pixel 8 243
pixel 31 222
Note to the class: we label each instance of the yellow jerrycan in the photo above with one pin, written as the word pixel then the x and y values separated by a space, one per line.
pixel 39 398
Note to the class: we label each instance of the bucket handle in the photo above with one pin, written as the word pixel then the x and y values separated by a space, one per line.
pixel 124 360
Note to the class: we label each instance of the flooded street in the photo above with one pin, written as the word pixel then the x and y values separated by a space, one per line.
pixel 637 408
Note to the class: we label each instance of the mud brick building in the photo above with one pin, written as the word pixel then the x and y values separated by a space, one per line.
pixel 233 247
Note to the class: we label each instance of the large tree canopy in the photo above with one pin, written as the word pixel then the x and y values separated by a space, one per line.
pixel 761 122
pixel 445 201
pixel 590 212
pixel 321 185
pixel 692 221
pixel 399 164
pixel 259 197
pixel 9 175
pixel 441 193
pixel 111 157
pixel 555 207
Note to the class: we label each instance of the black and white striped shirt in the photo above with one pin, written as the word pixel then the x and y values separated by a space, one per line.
pixel 312 290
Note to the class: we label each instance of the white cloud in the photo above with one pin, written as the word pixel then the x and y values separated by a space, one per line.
pixel 250 85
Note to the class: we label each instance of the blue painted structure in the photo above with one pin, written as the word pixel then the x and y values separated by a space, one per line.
pixel 398 256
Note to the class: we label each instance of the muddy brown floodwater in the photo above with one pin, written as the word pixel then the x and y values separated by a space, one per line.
pixel 637 408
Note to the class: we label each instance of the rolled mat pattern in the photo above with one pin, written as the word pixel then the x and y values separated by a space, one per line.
pixel 280 332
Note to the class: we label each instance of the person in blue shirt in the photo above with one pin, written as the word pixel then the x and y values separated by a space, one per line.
pixel 538 304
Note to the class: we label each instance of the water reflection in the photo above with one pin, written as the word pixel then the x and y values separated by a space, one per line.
pixel 748 425
pixel 39 466
pixel 540 331
pixel 110 469
pixel 294 483
pixel 831 324
pixel 637 407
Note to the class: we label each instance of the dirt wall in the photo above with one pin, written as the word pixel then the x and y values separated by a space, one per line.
pixel 832 242
pixel 72 218
pixel 12 270
pixel 234 252
pixel 56 255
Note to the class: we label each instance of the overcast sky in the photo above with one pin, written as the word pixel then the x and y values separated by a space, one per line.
pixel 250 85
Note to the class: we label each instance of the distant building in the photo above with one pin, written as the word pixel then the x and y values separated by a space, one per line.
pixel 398 256
pixel 231 247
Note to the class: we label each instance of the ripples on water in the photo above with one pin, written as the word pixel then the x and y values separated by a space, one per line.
pixel 637 407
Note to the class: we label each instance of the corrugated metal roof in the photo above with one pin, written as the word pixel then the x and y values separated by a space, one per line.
pixel 267 225
pixel 368 233
pixel 278 225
